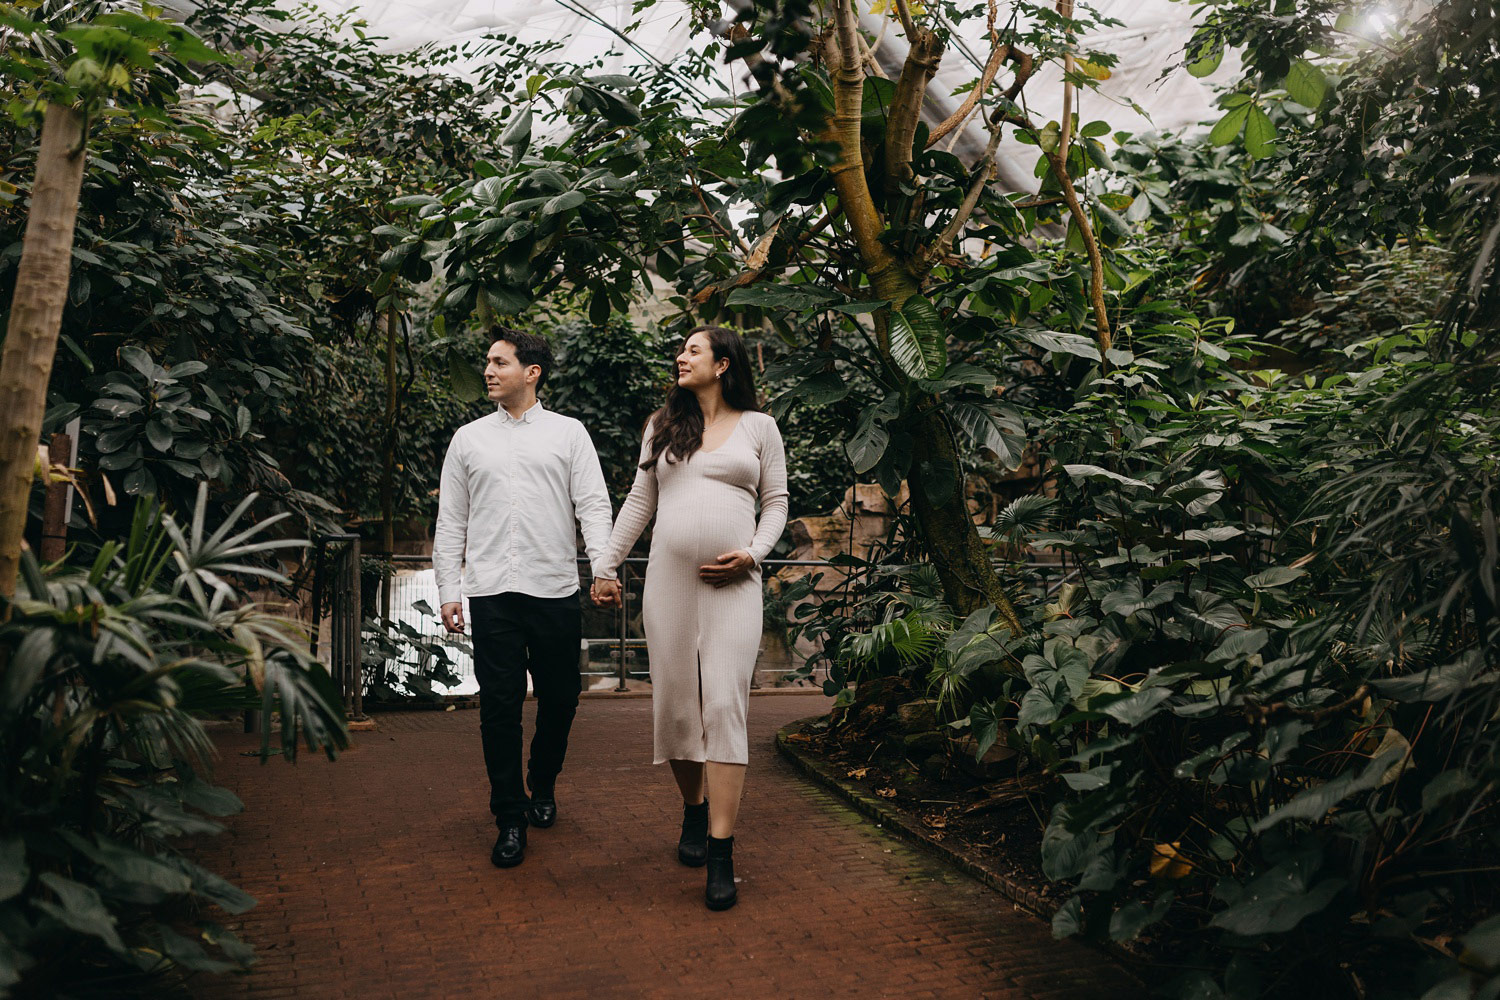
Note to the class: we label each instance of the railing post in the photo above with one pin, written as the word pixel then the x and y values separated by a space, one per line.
pixel 624 619
pixel 356 658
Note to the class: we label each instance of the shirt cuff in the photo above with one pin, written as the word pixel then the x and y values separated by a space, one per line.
pixel 450 595
pixel 601 573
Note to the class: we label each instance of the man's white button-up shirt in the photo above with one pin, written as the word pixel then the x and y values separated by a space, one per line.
pixel 510 492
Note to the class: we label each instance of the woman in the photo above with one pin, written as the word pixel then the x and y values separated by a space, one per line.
pixel 706 457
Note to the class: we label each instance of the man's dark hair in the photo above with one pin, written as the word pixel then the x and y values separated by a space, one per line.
pixel 530 350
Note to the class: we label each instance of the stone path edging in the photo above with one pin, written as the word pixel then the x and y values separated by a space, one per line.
pixel 887 817
pixel 907 829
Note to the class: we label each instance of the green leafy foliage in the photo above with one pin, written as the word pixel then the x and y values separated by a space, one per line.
pixel 109 669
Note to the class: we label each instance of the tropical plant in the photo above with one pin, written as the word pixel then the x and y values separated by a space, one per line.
pixel 110 668
pixel 66 72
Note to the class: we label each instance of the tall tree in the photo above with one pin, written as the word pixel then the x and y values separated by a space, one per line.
pixel 79 69
pixel 822 203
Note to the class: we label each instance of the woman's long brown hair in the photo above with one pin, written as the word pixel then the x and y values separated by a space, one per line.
pixel 677 428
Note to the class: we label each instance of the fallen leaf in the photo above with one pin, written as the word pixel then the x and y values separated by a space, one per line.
pixel 886 793
pixel 1166 862
pixel 858 773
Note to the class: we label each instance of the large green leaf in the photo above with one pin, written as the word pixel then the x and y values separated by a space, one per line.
pixel 868 442
pixel 562 203
pixel 1060 664
pixel 1084 471
pixel 1064 852
pixel 1062 343
pixel 1260 134
pixel 1278 900
pixel 918 344
pixel 1228 127
pixel 1130 597
pixel 468 383
pixel 1315 802
pixel 1204 63
pixel 13 869
pixel 796 298
pixel 991 427
pixel 1131 707
pixel 126 865
pixel 517 135
pixel 1306 84
pixel 79 908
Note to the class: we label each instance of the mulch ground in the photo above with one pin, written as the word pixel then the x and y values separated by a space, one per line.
pixel 374 881
pixel 994 820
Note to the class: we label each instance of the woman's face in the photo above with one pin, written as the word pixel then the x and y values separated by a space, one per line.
pixel 696 367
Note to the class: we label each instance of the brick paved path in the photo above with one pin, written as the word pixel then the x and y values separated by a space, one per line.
pixel 374 881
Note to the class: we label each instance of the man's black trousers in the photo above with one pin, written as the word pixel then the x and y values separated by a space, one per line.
pixel 515 634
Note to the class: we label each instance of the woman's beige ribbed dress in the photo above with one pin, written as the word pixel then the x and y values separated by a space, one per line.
pixel 702 640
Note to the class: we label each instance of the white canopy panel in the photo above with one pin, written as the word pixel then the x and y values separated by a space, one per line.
pixel 1151 38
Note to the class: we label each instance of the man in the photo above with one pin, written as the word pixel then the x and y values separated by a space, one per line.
pixel 513 482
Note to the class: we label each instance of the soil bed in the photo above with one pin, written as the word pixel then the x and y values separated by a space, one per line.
pixel 994 823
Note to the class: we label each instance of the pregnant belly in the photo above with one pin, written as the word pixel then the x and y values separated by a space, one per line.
pixel 701 533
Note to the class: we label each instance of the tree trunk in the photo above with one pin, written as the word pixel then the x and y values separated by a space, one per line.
pixel 35 318
pixel 388 472
pixel 942 515
pixel 958 553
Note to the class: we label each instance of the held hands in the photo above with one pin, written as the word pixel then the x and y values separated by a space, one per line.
pixel 724 570
pixel 453 616
pixel 606 593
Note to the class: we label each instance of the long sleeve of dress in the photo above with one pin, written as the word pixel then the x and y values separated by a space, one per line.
pixel 635 513
pixel 773 493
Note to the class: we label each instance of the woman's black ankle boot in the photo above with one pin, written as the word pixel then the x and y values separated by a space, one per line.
pixel 720 893
pixel 692 846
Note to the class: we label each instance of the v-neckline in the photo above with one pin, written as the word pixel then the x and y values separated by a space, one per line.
pixel 732 432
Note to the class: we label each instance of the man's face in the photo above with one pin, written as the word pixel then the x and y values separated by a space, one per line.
pixel 504 375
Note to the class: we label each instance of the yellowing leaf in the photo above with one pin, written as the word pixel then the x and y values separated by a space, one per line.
pixel 1092 70
pixel 1166 862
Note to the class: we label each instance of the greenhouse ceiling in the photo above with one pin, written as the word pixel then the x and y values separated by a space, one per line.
pixel 1136 97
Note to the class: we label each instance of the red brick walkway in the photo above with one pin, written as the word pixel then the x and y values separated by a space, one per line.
pixel 374 881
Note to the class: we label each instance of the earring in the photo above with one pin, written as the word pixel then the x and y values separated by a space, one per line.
pixel 716 376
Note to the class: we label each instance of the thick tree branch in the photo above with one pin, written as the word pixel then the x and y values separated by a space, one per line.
pixel 1024 65
pixel 922 61
pixel 1091 245
pixel 997 56
pixel 845 65
pixel 1065 8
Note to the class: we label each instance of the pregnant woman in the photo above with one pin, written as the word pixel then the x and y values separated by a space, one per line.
pixel 708 455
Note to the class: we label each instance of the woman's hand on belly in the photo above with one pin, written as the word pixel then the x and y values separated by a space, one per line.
pixel 726 568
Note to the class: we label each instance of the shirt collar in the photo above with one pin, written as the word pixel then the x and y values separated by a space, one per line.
pixel 528 417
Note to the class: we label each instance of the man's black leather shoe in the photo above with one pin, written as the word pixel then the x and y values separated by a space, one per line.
pixel 542 812
pixel 510 847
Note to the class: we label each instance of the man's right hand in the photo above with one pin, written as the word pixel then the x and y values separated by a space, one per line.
pixel 606 593
pixel 453 616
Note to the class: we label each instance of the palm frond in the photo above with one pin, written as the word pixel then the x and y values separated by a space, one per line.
pixel 1025 515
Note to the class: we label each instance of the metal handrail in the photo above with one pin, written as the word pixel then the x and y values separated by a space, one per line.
pixel 345 655
pixel 622 641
